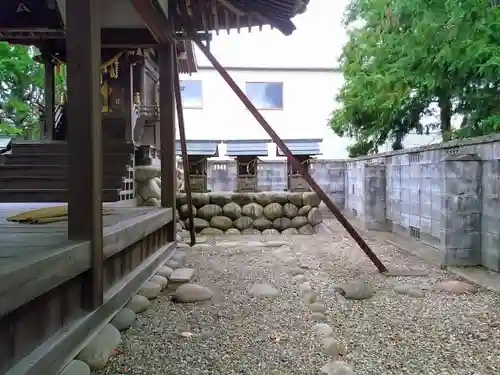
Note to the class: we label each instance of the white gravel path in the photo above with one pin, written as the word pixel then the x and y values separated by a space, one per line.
pixel 240 333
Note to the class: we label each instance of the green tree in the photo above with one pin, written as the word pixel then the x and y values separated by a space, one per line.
pixel 22 90
pixel 409 54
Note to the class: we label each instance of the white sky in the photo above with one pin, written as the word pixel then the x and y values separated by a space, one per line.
pixel 317 41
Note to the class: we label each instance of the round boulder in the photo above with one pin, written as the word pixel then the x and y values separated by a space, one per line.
pixel 243 223
pixel 242 198
pixel 199 224
pixel 314 216
pixel 282 223
pixel 279 197
pixel 149 189
pixel 290 210
pixel 262 224
pixel 211 232
pixel 306 229
pixel 184 211
pixel 152 202
pixel 290 231
pixel 181 199
pixel 200 199
pixel 208 211
pixel 232 210
pixel 144 173
pixel 254 210
pixel 250 231
pixel 311 199
pixel 221 222
pixel 232 231
pixel 270 232
pixel 273 211
pixel 220 199
pixel 304 210
pixel 263 199
pixel 295 199
pixel 299 221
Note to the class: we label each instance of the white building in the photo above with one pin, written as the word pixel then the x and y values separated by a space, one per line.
pixel 296 102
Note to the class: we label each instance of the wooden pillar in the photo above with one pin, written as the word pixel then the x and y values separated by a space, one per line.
pixel 167 132
pixel 128 96
pixel 83 45
pixel 47 131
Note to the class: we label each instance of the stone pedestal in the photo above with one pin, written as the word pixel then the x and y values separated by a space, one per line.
pixel 373 200
pixel 461 210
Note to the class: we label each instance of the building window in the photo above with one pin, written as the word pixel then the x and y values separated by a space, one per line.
pixel 191 94
pixel 265 95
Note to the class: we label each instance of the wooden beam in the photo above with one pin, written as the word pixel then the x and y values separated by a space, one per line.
pixel 83 46
pixel 49 96
pixel 167 131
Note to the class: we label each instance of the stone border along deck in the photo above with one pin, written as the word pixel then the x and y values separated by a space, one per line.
pixel 175 280
pixel 95 355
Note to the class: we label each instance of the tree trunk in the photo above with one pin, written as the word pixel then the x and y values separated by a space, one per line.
pixel 445 117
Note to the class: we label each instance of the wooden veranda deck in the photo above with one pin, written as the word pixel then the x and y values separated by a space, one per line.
pixel 42 280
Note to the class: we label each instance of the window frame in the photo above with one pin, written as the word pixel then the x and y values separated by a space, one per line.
pixel 200 106
pixel 267 82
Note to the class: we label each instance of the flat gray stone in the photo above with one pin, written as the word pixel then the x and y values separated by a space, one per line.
pixel 332 347
pixel 165 271
pixel 356 290
pixel 150 290
pixel 160 280
pixel 182 275
pixel 124 319
pixel 76 367
pixel 299 278
pixel 173 264
pixel 323 330
pixel 138 304
pixel 319 317
pixel 276 243
pixel 337 368
pixel 97 352
pixel 264 290
pixel 200 246
pixel 305 288
pixel 229 244
pixel 179 256
pixel 317 307
pixel 456 287
pixel 187 293
pixel 309 297
pixel 296 271
pixel 409 290
pixel 254 244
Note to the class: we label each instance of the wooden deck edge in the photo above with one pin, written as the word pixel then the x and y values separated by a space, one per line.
pixel 123 234
pixel 45 273
pixel 56 352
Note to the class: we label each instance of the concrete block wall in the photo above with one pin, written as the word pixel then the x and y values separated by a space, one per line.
pixel 446 196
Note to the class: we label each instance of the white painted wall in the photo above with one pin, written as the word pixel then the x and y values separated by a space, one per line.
pixel 308 99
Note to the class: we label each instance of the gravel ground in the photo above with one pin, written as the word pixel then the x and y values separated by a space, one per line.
pixel 239 333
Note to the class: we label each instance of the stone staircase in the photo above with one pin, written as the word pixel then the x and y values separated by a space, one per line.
pixel 38 172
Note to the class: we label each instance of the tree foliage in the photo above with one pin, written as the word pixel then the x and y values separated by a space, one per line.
pixel 406 59
pixel 22 90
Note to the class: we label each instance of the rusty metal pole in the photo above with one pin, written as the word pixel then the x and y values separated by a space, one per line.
pixel 184 154
pixel 262 121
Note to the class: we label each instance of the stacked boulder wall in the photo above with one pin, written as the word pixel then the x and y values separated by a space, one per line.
pixel 251 213
pixel 234 213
